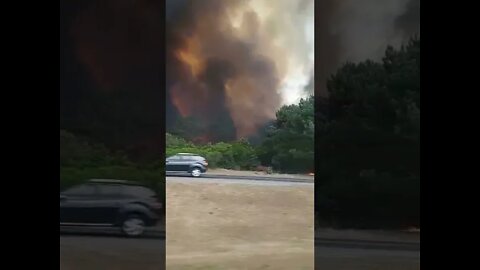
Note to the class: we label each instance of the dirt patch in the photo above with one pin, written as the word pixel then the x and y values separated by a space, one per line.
pixel 235 226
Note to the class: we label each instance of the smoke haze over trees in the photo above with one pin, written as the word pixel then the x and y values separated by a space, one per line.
pixel 351 30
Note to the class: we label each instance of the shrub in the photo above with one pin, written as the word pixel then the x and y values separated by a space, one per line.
pixel 235 155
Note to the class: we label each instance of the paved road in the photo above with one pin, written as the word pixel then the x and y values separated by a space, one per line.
pixel 332 258
pixel 112 252
pixel 367 245
pixel 236 180
pixel 247 177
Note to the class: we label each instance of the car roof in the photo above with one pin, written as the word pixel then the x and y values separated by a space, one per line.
pixel 187 154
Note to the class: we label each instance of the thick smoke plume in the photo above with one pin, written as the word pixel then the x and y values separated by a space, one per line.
pixel 230 64
pixel 120 43
pixel 356 30
pixel 114 56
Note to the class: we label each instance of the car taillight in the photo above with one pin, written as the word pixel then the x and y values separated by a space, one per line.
pixel 206 163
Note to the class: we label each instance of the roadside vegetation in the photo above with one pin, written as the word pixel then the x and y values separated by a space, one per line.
pixel 287 145
pixel 368 143
pixel 81 160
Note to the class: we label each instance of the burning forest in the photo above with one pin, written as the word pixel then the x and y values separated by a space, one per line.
pixel 232 64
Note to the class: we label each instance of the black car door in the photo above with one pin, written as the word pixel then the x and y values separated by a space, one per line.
pixel 108 202
pixel 76 204
pixel 173 164
pixel 185 163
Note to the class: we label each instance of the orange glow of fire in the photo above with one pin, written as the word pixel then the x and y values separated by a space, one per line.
pixel 180 101
pixel 184 92
pixel 189 96
pixel 248 96
pixel 189 59
pixel 247 113
pixel 201 139
pixel 191 56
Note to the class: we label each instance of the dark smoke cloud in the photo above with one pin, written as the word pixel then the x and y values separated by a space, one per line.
pixel 409 22
pixel 327 47
pixel 234 91
pixel 172 7
pixel 120 42
pixel 117 49
pixel 353 30
pixel 181 16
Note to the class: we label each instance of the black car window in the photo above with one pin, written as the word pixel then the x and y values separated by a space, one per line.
pixel 81 190
pixel 173 158
pixel 139 191
pixel 110 190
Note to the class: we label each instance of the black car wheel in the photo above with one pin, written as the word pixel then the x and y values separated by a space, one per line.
pixel 133 225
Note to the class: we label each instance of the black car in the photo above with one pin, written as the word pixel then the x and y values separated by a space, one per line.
pixel 110 203
pixel 193 164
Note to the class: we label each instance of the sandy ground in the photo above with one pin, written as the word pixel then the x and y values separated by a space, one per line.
pixel 238 226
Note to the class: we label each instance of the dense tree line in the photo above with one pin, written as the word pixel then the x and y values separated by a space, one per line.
pixel 81 159
pixel 286 145
pixel 368 143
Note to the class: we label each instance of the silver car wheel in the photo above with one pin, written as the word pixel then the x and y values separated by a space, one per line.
pixel 196 172
pixel 133 226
